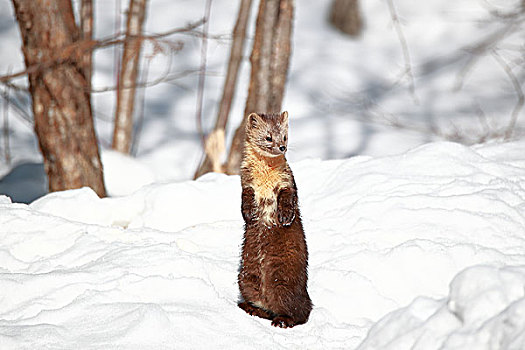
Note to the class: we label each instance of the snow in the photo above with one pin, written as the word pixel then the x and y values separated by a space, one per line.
pixel 432 238
pixel 415 243
pixel 485 310
pixel 123 174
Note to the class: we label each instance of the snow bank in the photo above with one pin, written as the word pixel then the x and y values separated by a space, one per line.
pixel 124 174
pixel 157 268
pixel 485 310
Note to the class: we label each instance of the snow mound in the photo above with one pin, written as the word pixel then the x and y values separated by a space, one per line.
pixel 157 268
pixel 123 174
pixel 485 310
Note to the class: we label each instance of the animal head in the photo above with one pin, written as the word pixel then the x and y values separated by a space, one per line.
pixel 268 133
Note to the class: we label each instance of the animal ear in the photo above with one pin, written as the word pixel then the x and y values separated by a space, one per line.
pixel 254 120
pixel 284 117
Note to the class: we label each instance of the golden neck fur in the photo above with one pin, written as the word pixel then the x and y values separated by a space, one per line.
pixel 266 175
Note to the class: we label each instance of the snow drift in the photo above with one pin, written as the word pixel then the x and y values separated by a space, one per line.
pixel 434 239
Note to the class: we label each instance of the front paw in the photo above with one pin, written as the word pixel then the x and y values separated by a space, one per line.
pixel 286 207
pixel 286 216
pixel 248 208
pixel 248 215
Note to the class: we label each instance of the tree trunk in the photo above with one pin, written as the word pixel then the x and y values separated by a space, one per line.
pixel 122 135
pixel 346 17
pixel 62 112
pixel 270 59
pixel 212 159
pixel 86 34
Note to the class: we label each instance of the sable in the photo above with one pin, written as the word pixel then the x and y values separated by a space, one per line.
pixel 273 273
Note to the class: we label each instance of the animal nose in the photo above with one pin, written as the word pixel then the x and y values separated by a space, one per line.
pixel 282 148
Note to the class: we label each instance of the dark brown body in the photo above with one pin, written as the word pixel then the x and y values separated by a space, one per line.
pixel 273 273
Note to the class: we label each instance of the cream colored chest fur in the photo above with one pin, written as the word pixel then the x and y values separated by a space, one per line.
pixel 267 182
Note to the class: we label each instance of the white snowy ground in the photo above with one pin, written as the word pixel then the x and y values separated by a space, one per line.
pixel 390 237
pixel 433 238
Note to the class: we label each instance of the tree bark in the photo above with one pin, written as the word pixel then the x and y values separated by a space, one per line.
pixel 212 163
pixel 62 112
pixel 86 34
pixel 123 132
pixel 270 60
pixel 346 17
pixel 281 49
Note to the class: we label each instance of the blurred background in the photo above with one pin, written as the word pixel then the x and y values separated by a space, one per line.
pixel 373 78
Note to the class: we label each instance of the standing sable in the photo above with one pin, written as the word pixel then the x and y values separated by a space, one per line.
pixel 273 274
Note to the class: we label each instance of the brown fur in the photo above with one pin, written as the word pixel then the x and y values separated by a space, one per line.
pixel 273 272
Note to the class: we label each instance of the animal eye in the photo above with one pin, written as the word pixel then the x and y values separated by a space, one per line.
pixel 269 138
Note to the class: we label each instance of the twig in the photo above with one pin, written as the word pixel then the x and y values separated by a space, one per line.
pixel 202 74
pixel 23 114
pixel 483 120
pixel 165 78
pixel 404 48
pixel 511 23
pixel 517 88
pixel 79 47
pixel 478 50
pixel 14 86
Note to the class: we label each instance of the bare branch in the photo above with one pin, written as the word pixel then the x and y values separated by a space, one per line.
pixel 517 88
pixel 164 78
pixel 17 107
pixel 14 86
pixel 71 52
pixel 479 49
pixel 404 47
